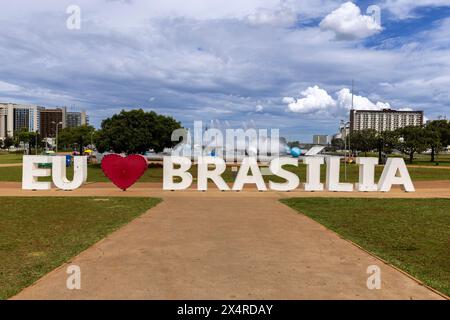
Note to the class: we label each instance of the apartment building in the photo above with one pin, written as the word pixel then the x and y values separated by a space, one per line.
pixel 384 120
pixel 16 117
pixel 76 119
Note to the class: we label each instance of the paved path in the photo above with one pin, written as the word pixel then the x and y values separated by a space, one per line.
pixel 424 189
pixel 216 245
pixel 5 165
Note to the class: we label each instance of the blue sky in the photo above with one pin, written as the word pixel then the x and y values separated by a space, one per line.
pixel 278 64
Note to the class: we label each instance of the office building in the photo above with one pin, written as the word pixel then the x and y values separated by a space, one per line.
pixel 320 139
pixel 76 119
pixel 49 119
pixel 384 120
pixel 17 117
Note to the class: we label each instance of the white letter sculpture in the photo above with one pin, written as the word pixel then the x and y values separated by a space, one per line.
pixel 31 172
pixel 389 176
pixel 332 180
pixel 292 179
pixel 169 172
pixel 59 172
pixel 313 173
pixel 366 174
pixel 243 177
pixel 214 175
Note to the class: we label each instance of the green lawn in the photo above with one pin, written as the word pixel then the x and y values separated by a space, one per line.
pixel 39 234
pixel 10 158
pixel 412 234
pixel 95 174
pixel 424 160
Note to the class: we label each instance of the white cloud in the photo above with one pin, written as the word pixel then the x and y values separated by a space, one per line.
pixel 344 101
pixel 281 17
pixel 316 100
pixel 259 108
pixel 404 9
pixel 348 23
pixel 8 87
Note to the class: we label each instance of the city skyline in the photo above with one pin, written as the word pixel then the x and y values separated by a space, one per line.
pixel 16 117
pixel 289 64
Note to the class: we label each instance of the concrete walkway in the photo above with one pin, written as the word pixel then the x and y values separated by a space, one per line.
pixel 7 165
pixel 216 245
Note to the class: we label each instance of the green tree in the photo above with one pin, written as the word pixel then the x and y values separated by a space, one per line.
pixel 438 135
pixel 386 141
pixel 136 131
pixel 412 139
pixel 337 143
pixel 8 142
pixel 292 144
pixel 29 137
pixel 76 137
pixel 363 140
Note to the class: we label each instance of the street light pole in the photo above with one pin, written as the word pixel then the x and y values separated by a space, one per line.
pixel 345 147
pixel 344 135
pixel 56 138
pixel 36 142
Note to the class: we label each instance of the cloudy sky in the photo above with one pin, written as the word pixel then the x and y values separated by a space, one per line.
pixel 277 64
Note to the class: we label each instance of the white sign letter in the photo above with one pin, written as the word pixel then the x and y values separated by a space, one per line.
pixel 31 172
pixel 59 172
pixel 292 179
pixel 366 174
pixel 243 177
pixel 313 173
pixel 332 182
pixel 214 175
pixel 169 172
pixel 390 177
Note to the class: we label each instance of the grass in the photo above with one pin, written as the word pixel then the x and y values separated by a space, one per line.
pixel 412 234
pixel 6 158
pixel 39 234
pixel 95 174
pixel 424 160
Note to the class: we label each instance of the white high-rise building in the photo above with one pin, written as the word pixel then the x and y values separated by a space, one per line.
pixel 15 117
pixel 76 119
pixel 384 120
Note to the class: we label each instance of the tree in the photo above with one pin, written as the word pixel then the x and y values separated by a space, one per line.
pixel 76 137
pixel 29 138
pixel 136 131
pixel 438 135
pixel 292 144
pixel 385 141
pixel 337 143
pixel 364 140
pixel 413 139
pixel 8 142
pixel 433 141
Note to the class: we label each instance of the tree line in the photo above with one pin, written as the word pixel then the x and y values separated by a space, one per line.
pixel 434 136
pixel 135 131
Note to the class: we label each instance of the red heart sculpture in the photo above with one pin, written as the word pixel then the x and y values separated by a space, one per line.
pixel 124 171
